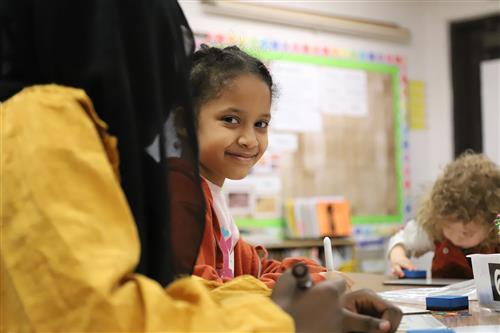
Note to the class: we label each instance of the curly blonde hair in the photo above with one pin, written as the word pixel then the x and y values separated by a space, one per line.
pixel 467 190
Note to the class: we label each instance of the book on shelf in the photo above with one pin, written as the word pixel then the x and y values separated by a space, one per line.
pixel 316 217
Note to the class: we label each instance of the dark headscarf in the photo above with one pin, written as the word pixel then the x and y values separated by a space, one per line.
pixel 132 59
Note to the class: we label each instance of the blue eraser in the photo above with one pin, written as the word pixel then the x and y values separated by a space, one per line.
pixel 432 330
pixel 447 303
pixel 414 274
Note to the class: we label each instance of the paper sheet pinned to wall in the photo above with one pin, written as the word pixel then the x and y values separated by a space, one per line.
pixel 305 91
pixel 283 142
pixel 296 108
pixel 416 105
pixel 343 91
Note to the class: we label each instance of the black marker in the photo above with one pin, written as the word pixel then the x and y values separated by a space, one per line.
pixel 301 273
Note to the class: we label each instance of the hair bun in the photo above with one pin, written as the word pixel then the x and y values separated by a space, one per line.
pixel 206 51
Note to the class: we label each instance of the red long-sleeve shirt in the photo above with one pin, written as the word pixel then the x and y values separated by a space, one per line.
pixel 247 258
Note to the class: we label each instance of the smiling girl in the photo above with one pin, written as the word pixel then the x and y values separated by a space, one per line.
pixel 232 93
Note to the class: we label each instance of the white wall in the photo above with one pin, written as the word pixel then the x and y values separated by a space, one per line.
pixel 490 107
pixel 438 147
pixel 427 56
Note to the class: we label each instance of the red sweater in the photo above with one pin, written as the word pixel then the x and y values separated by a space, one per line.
pixel 450 261
pixel 247 259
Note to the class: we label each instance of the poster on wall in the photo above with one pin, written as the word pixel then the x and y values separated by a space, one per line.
pixel 416 105
pixel 305 91
pixel 343 91
pixel 296 107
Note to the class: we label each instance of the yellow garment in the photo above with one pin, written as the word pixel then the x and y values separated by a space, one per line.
pixel 242 284
pixel 69 244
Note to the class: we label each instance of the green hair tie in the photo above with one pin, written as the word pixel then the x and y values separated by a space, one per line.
pixel 497 223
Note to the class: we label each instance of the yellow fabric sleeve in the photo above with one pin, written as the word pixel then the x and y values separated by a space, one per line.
pixel 69 244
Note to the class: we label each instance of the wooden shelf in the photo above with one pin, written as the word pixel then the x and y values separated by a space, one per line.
pixel 307 243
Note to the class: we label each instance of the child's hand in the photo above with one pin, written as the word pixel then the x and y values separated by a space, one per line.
pixel 336 274
pixel 399 260
pixel 377 314
pixel 315 309
pixel 325 308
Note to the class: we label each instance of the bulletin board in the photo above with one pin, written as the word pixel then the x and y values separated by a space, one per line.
pixel 357 156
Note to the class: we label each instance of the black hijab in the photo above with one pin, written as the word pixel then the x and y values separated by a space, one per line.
pixel 132 59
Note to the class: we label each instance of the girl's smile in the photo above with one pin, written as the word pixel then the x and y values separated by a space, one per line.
pixel 242 157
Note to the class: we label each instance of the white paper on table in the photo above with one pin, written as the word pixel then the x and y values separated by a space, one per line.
pixel 418 295
pixel 477 329
pixel 410 310
pixel 419 322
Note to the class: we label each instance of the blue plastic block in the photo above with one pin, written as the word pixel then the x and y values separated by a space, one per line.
pixel 432 330
pixel 414 274
pixel 447 303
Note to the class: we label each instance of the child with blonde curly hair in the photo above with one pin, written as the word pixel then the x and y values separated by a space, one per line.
pixel 455 220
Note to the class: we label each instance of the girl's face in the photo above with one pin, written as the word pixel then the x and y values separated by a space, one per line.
pixel 464 235
pixel 232 129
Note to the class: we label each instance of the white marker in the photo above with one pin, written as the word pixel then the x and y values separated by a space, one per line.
pixel 328 254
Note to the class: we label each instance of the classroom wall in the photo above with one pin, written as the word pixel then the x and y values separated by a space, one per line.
pixel 427 56
pixel 437 73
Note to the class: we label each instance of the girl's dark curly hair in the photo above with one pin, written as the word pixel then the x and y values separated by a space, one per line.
pixel 214 68
pixel 467 190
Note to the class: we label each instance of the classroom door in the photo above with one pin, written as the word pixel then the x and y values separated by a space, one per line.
pixel 472 42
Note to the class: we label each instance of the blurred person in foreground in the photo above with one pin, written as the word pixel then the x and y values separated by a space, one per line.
pixel 90 238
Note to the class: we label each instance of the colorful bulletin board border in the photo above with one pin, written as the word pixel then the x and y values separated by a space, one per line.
pixel 392 64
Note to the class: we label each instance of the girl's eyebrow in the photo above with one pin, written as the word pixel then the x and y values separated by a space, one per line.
pixel 265 115
pixel 230 109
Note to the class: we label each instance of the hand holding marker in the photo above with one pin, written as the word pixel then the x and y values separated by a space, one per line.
pixel 355 311
pixel 301 273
